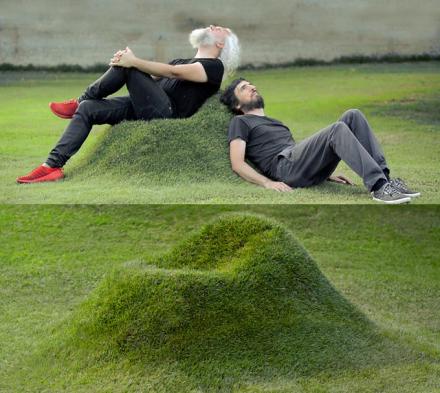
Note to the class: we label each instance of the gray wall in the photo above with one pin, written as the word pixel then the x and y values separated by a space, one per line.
pixel 50 32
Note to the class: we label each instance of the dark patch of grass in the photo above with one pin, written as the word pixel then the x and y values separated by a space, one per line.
pixel 98 67
pixel 423 110
pixel 240 298
pixel 355 59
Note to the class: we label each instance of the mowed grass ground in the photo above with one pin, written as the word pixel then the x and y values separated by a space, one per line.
pixel 400 100
pixel 385 262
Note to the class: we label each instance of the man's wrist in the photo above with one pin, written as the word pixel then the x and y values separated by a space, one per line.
pixel 135 62
pixel 265 182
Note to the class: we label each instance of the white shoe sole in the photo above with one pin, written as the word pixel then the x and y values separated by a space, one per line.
pixel 415 195
pixel 396 202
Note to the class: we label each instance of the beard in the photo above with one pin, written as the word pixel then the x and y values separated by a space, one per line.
pixel 200 37
pixel 255 103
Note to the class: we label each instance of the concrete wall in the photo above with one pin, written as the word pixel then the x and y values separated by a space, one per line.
pixel 50 32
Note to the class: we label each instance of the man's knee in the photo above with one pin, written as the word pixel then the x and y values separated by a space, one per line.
pixel 133 72
pixel 339 135
pixel 339 131
pixel 85 107
pixel 340 127
pixel 351 114
pixel 87 110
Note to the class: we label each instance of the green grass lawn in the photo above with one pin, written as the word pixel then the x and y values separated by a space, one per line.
pixel 378 330
pixel 400 100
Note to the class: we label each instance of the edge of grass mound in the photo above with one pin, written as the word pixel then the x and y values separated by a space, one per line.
pixel 166 150
pixel 240 298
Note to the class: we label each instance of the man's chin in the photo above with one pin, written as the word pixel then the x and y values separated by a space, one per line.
pixel 255 104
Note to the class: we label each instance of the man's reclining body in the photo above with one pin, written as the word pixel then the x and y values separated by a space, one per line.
pixel 268 144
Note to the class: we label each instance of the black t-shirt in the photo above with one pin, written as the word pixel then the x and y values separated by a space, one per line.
pixel 187 97
pixel 264 137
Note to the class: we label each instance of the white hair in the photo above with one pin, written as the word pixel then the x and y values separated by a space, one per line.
pixel 230 54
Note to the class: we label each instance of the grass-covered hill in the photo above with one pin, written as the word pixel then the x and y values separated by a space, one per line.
pixel 74 318
pixel 166 151
pixel 239 300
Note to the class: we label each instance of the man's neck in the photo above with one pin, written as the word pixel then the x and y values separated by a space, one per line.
pixel 256 112
pixel 207 52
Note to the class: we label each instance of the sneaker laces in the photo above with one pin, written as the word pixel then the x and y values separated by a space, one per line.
pixel 398 182
pixel 390 190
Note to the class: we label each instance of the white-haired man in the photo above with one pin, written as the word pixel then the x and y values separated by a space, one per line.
pixel 156 91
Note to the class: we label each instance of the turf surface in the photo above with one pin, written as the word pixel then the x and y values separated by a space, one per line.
pixel 365 315
pixel 400 100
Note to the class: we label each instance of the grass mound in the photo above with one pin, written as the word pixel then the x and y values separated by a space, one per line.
pixel 166 151
pixel 240 298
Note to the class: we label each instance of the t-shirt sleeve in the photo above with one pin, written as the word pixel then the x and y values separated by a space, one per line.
pixel 238 129
pixel 214 70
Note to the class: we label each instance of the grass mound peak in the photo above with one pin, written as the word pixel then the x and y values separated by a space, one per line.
pixel 166 151
pixel 239 297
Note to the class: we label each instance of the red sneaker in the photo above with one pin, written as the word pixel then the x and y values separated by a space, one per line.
pixel 42 174
pixel 65 109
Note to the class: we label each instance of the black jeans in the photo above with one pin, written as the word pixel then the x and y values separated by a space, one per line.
pixel 146 101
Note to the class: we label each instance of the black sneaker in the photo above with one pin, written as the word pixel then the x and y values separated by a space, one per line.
pixel 388 194
pixel 399 185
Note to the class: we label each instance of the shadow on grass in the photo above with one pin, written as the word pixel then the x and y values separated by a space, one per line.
pixel 421 109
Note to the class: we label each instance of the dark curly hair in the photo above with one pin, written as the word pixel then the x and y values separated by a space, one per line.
pixel 229 98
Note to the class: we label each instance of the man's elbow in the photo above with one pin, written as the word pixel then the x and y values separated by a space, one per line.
pixel 236 167
pixel 175 73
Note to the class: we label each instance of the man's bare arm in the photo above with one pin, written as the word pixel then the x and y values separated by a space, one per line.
pixel 192 72
pixel 237 149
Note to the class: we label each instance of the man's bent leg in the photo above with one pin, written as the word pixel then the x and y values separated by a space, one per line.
pixel 149 100
pixel 310 162
pixel 313 160
pixel 90 112
pixel 358 124
pixel 110 82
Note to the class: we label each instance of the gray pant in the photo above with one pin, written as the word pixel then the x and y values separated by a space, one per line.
pixel 313 160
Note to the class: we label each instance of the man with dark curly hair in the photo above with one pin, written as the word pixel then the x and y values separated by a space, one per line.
pixel 283 164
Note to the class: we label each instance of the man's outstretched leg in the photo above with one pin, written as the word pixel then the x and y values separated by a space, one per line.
pixel 89 112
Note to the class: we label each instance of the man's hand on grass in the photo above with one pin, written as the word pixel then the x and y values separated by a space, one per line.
pixel 277 186
pixel 123 58
pixel 341 179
